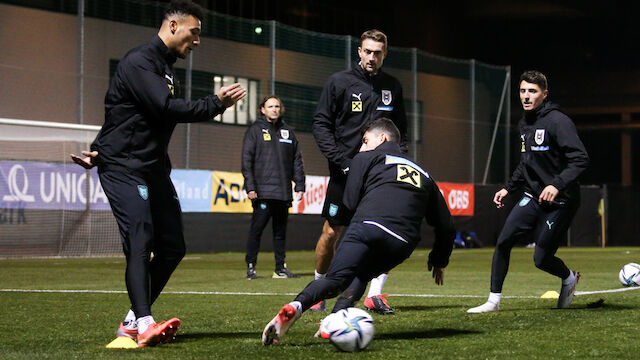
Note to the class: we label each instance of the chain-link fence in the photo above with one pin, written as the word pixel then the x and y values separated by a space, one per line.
pixel 457 109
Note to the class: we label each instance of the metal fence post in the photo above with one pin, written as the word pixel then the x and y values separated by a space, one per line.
pixel 473 121
pixel 507 131
pixel 273 57
pixel 414 103
pixel 348 52
pixel 187 96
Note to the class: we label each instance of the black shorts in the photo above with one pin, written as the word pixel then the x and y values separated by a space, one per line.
pixel 334 210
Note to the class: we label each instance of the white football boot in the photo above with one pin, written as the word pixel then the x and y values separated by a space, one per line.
pixel 486 307
pixel 567 291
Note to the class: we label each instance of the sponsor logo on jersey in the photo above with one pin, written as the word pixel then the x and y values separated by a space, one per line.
pixel 263 206
pixel 266 137
pixel 356 106
pixel 384 108
pixel 333 209
pixel 408 175
pixel 539 136
pixel 523 148
pixel 284 133
pixel 288 141
pixel 359 96
pixel 391 160
pixel 386 97
pixel 172 89
pixel 143 191
pixel 168 77
pixel 539 148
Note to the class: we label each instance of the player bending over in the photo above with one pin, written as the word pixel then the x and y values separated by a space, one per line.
pixel 389 196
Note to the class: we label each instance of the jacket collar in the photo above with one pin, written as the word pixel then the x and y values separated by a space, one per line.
pixel 363 74
pixel 159 47
pixel 263 120
pixel 389 147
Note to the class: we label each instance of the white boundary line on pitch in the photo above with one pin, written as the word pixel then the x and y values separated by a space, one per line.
pixel 578 293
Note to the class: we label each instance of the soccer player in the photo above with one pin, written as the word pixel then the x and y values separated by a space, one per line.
pixel 388 196
pixel 552 157
pixel 271 159
pixel 141 112
pixel 349 100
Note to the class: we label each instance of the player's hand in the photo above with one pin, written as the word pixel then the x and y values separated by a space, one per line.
pixel 299 195
pixel 87 161
pixel 437 274
pixel 497 198
pixel 252 195
pixel 548 194
pixel 229 95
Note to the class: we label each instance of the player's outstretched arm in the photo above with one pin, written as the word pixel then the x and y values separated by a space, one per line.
pixel 229 95
pixel 87 161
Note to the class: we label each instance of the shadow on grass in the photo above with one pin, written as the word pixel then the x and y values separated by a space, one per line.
pixel 218 335
pixel 426 334
pixel 424 307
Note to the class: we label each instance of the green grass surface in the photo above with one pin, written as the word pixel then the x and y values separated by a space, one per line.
pixel 217 326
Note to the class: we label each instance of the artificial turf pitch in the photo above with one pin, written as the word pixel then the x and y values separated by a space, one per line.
pixel 221 323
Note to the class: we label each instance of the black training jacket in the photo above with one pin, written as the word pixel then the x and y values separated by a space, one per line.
pixel 349 100
pixel 271 159
pixel 142 110
pixel 551 154
pixel 385 187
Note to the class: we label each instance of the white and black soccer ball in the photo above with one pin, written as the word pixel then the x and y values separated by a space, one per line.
pixel 348 329
pixel 630 275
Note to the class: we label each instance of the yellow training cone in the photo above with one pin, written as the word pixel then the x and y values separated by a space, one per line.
pixel 122 342
pixel 550 295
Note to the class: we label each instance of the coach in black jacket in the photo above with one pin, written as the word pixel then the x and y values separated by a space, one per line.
pixel 141 112
pixel 551 159
pixel 271 159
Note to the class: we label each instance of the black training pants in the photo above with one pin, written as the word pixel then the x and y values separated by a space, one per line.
pixel 263 210
pixel 148 214
pixel 548 224
pixel 364 252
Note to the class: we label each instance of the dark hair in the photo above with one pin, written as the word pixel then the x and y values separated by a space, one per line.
pixel 384 125
pixel 535 77
pixel 184 7
pixel 264 101
pixel 375 35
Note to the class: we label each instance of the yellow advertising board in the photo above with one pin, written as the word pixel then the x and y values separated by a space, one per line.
pixel 228 195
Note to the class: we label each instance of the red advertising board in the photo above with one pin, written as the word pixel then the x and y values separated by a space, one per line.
pixel 459 198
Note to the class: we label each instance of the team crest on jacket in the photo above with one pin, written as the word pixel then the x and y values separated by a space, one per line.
pixel 284 133
pixel 386 97
pixel 539 136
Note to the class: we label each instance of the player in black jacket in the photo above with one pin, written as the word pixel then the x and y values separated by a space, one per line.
pixel 389 196
pixel 141 112
pixel 271 159
pixel 348 102
pixel 552 158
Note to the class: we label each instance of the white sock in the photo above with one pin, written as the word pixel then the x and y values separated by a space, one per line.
pixel 130 319
pixel 144 322
pixel 375 288
pixel 320 276
pixel 494 298
pixel 571 278
pixel 297 305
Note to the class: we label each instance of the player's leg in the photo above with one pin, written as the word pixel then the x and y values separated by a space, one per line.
pixel 521 220
pixel 259 220
pixel 387 252
pixel 552 227
pixel 280 216
pixel 341 273
pixel 376 300
pixel 168 250
pixel 128 198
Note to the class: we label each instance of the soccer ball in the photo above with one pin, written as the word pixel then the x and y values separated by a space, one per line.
pixel 630 275
pixel 348 329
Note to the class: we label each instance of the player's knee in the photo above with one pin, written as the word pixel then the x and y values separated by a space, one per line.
pixel 540 260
